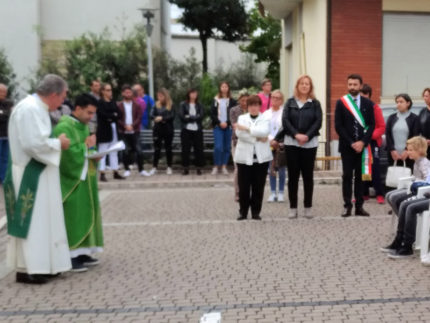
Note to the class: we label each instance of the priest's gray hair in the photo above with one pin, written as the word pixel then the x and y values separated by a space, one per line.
pixel 51 84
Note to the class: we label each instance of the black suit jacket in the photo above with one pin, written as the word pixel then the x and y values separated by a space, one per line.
pixel 344 125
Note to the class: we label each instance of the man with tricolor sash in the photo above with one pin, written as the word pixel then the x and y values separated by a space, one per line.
pixel 38 247
pixel 354 123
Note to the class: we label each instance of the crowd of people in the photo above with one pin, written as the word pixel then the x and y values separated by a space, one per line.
pixel 267 136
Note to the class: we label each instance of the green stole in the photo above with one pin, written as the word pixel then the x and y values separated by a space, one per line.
pixel 19 210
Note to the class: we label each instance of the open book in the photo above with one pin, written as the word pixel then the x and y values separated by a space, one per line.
pixel 117 147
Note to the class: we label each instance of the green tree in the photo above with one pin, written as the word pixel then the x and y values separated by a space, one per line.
pixel 265 35
pixel 225 19
pixel 7 75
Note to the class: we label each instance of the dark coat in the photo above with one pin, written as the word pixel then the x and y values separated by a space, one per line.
pixel 5 111
pixel 413 125
pixel 136 115
pixel 214 111
pixel 184 115
pixel 344 125
pixel 107 113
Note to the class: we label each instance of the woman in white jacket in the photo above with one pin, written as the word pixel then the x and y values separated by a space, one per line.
pixel 252 157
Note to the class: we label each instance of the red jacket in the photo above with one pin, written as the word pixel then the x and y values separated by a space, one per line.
pixel 379 125
pixel 136 114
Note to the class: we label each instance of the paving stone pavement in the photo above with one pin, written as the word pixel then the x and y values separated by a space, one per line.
pixel 173 254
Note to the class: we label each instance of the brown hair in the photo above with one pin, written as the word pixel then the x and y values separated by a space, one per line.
pixel 167 100
pixel 266 80
pixel 427 89
pixel 103 87
pixel 219 89
pixel 418 143
pixel 253 100
pixel 311 94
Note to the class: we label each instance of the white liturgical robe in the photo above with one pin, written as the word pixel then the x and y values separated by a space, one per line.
pixel 45 250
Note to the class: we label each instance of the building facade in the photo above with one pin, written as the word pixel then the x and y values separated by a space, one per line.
pixel 383 40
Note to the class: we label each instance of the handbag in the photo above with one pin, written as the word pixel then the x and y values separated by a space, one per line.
pixel 394 173
pixel 281 157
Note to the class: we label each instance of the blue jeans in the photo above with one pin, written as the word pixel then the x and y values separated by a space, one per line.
pixel 4 155
pixel 222 145
pixel 281 175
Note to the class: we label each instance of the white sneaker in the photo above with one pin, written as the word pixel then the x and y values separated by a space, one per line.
pixel 126 173
pixel 308 213
pixel 169 171
pixel 214 171
pixel 425 260
pixel 272 198
pixel 225 171
pixel 281 197
pixel 144 173
pixel 293 214
pixel 152 171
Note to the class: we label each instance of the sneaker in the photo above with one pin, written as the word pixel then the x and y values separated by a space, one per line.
pixel 169 171
pixel 214 171
pixel 281 198
pixel 380 199
pixel 272 198
pixel 225 171
pixel 88 261
pixel 126 173
pixel 404 252
pixel 425 260
pixel 293 214
pixel 153 171
pixel 144 173
pixel 78 266
pixel 199 172
pixel 392 248
pixel 116 175
pixel 185 172
pixel 103 177
pixel 308 213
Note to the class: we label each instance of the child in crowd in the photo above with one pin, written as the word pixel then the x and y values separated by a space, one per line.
pixel 410 206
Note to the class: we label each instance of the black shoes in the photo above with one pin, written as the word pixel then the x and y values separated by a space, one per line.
pixel 347 212
pixel 199 172
pixel 116 175
pixel 392 248
pixel 103 178
pixel 185 172
pixel 31 279
pixel 256 217
pixel 241 218
pixel 78 266
pixel 361 212
pixel 87 260
pixel 403 252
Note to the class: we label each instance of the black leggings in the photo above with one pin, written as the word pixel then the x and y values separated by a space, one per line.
pixel 160 134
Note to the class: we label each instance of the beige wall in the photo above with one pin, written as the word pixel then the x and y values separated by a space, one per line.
pixel 406 5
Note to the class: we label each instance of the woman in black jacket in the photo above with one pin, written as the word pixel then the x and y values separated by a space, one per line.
pixel 191 115
pixel 401 126
pixel 107 135
pixel 301 122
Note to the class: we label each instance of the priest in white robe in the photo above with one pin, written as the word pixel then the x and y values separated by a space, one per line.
pixel 44 252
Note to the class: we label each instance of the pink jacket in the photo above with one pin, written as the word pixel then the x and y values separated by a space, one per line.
pixel 265 102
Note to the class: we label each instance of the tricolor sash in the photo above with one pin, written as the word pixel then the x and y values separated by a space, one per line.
pixel 366 157
pixel 19 210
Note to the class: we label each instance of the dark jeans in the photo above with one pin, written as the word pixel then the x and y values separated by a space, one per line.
pixel 251 187
pixel 162 133
pixel 132 147
pixel 193 139
pixel 406 228
pixel 351 167
pixel 4 155
pixel 376 173
pixel 300 160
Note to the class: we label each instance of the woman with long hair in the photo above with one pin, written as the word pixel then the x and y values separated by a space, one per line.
pixel 220 115
pixel 301 122
pixel 163 115
pixel 107 133
pixel 191 115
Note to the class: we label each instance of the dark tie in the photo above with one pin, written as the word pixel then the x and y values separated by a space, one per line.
pixel 356 126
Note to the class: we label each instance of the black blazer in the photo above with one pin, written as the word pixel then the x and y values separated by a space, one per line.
pixel 184 115
pixel 107 112
pixel 214 111
pixel 413 124
pixel 306 120
pixel 344 124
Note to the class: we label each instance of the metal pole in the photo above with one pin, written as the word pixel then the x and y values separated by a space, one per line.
pixel 150 72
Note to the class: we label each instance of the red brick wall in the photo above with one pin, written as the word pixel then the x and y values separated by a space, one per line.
pixel 356 47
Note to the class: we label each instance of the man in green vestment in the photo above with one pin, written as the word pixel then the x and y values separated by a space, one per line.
pixel 78 176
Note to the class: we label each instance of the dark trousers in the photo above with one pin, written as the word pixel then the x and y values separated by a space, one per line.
pixel 406 228
pixel 251 187
pixel 351 167
pixel 132 147
pixel 300 161
pixel 193 139
pixel 376 173
pixel 162 133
